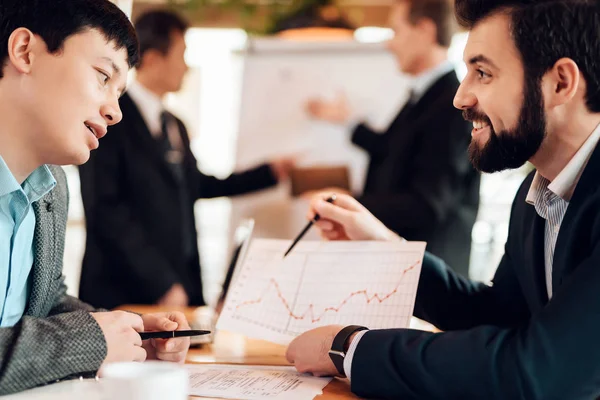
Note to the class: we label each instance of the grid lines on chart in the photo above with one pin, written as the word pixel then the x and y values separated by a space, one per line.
pixel 311 290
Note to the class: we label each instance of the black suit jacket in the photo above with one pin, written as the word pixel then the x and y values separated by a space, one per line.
pixel 505 341
pixel 420 182
pixel 134 250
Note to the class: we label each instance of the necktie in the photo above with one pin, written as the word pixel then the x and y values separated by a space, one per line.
pixel 172 154
pixel 174 158
pixel 412 97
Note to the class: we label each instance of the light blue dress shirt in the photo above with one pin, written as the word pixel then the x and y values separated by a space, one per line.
pixel 17 225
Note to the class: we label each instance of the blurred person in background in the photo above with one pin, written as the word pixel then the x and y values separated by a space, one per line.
pixel 419 181
pixel 139 189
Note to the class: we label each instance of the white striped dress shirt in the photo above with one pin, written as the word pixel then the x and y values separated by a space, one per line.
pixel 552 208
pixel 551 199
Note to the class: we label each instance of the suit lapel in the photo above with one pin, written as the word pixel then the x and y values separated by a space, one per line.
pixel 534 256
pixel 44 257
pixel 565 259
pixel 405 127
pixel 144 138
pixel 411 111
pixel 447 82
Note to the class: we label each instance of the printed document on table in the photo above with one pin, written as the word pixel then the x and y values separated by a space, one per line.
pixel 253 382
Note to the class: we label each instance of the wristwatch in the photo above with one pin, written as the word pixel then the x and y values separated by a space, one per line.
pixel 338 347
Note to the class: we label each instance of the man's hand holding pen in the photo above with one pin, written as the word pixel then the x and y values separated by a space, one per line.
pixel 174 349
pixel 347 219
pixel 123 342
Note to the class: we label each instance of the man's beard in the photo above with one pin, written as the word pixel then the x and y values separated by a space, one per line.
pixel 512 148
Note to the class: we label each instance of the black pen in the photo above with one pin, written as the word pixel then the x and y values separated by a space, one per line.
pixel 170 334
pixel 317 217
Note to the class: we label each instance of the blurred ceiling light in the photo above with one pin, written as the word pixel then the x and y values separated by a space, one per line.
pixel 316 34
pixel 373 34
pixel 210 42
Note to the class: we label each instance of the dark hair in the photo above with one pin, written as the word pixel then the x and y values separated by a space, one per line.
pixel 56 20
pixel 545 31
pixel 154 30
pixel 440 12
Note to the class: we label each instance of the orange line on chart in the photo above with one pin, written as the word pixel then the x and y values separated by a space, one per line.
pixel 311 307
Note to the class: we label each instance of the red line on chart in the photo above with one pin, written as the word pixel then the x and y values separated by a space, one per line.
pixel 311 307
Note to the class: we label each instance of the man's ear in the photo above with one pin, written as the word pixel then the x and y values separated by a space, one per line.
pixel 20 50
pixel 429 28
pixel 561 83
pixel 151 57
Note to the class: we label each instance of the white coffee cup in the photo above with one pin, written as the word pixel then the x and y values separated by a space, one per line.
pixel 150 380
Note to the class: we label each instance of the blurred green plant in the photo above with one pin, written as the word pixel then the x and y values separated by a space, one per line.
pixel 256 16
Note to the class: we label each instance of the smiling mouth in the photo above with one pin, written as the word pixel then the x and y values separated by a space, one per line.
pixel 480 125
pixel 91 130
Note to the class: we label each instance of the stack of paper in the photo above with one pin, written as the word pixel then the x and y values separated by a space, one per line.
pixel 253 382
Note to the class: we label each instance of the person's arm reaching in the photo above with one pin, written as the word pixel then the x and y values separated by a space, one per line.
pixel 206 186
pixel 202 186
pixel 373 142
pixel 339 112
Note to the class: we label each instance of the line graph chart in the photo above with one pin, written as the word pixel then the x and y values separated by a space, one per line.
pixel 322 283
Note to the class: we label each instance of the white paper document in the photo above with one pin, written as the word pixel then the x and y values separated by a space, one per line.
pixel 253 382
pixel 322 283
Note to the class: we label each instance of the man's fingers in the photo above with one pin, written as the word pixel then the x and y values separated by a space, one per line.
pixel 138 354
pixel 334 213
pixel 158 322
pixel 172 345
pixel 166 321
pixel 290 353
pixel 303 369
pixel 331 235
pixel 172 357
pixel 348 202
pixel 134 338
pixel 168 325
pixel 313 107
pixel 130 319
pixel 180 319
pixel 325 225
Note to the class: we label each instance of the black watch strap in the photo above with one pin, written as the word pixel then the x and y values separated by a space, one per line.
pixel 338 350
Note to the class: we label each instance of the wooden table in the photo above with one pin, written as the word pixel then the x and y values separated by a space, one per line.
pixel 231 348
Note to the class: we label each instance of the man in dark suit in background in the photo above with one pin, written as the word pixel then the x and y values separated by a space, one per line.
pixel 420 182
pixel 139 189
pixel 533 94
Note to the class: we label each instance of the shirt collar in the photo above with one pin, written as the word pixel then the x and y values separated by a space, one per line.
pixel 149 104
pixel 565 182
pixel 37 184
pixel 8 183
pixel 421 83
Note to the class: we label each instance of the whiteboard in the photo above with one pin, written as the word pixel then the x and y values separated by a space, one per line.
pixel 279 76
